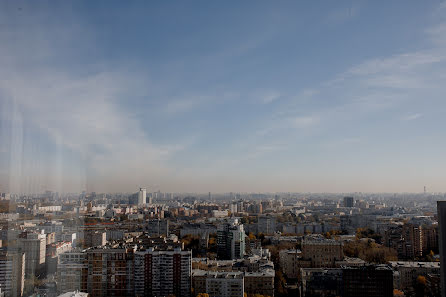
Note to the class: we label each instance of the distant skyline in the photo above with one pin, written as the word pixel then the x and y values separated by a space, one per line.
pixel 108 96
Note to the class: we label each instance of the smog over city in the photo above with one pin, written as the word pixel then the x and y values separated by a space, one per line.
pixel 222 149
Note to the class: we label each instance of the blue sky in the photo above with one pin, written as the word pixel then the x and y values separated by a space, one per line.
pixel 320 96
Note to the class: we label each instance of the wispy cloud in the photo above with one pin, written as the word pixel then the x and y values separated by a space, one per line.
pixel 81 115
pixel 412 116
pixel 304 121
pixel 184 105
pixel 270 97
pixel 344 14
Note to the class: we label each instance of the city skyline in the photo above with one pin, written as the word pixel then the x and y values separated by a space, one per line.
pixel 106 97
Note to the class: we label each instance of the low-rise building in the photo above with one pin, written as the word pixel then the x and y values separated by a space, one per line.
pixel 218 283
pixel 408 271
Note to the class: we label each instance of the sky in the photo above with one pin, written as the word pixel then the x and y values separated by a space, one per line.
pixel 220 96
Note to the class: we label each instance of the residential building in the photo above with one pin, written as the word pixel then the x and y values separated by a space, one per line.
pixel 321 252
pixel 430 238
pixel 266 224
pixel 289 262
pixel 408 271
pixel 95 238
pixel 219 284
pixel 34 247
pixel 110 271
pixel 230 241
pixel 158 227
pixel 367 281
pixel 321 282
pixel 72 271
pixel 162 272
pixel 349 202
pixel 12 272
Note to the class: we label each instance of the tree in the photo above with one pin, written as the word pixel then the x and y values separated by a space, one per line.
pixel 420 286
pixel 280 284
pixel 370 251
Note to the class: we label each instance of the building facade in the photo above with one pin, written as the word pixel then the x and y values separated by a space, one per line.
pixel 367 281
pixel 163 272
pixel 230 241
pixel 12 272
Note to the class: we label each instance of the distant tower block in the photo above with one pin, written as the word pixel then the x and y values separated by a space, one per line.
pixel 424 189
pixel 142 196
pixel 348 202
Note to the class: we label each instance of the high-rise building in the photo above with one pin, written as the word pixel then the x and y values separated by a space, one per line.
pixel 230 241
pixel 441 211
pixel 109 271
pixel 34 246
pixel 348 202
pixel 72 272
pixel 430 239
pixel 412 241
pixel 163 272
pixel 12 272
pixel 142 196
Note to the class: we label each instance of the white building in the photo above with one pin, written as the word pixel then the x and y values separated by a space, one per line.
pixel 74 294
pixel 34 246
pixel 142 196
pixel 219 284
pixel 219 213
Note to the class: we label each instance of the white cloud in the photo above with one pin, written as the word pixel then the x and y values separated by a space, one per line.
pixel 82 115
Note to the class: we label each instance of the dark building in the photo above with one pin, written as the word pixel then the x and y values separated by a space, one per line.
pixel 158 227
pixel 441 211
pixel 321 282
pixel 107 273
pixel 348 202
pixel 368 281
pixel 230 241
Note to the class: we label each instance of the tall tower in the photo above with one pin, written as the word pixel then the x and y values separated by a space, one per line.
pixel 142 196
pixel 348 202
pixel 441 211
